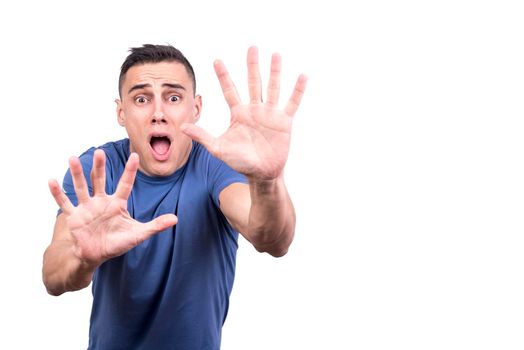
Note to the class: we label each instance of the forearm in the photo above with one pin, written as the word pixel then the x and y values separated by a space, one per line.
pixel 62 271
pixel 271 224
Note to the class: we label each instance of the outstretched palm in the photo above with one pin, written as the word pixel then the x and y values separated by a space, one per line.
pixel 257 140
pixel 100 226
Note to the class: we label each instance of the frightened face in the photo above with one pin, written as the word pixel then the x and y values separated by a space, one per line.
pixel 157 98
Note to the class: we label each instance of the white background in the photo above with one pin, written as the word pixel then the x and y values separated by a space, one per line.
pixel 406 166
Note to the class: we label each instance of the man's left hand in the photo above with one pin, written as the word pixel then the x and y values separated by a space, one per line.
pixel 257 141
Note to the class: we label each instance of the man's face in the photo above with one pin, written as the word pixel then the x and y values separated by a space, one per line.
pixel 157 98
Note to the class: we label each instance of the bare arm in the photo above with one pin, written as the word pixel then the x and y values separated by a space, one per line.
pixel 263 213
pixel 62 270
pixel 256 144
pixel 97 229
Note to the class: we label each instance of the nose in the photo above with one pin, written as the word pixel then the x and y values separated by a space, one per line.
pixel 158 113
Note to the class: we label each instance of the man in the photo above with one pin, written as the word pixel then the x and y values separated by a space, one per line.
pixel 152 220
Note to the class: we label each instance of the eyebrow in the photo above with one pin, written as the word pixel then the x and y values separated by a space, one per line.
pixel 170 85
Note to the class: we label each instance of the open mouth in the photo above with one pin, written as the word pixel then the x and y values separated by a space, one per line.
pixel 160 144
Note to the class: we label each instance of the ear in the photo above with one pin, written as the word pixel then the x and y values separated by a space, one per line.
pixel 120 113
pixel 197 108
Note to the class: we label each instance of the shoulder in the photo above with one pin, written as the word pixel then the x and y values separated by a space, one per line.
pixel 116 150
pixel 207 164
pixel 200 160
pixel 113 150
pixel 199 154
pixel 215 174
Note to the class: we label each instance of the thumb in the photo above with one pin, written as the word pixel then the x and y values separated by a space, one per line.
pixel 157 225
pixel 201 136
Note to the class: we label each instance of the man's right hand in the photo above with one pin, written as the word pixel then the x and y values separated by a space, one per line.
pixel 100 225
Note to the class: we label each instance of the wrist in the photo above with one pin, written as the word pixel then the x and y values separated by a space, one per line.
pixel 264 181
pixel 263 186
pixel 267 189
pixel 79 275
pixel 82 265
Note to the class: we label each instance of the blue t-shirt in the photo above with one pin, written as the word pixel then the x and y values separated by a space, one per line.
pixel 172 291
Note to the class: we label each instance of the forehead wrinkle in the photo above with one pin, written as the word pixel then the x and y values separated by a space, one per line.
pixel 175 86
pixel 138 87
pixel 160 74
pixel 152 82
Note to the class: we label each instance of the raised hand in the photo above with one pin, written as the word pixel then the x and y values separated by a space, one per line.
pixel 258 138
pixel 100 225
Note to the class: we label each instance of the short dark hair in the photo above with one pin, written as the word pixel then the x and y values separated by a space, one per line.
pixel 149 53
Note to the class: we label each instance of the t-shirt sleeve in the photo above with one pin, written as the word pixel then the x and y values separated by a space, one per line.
pixel 220 176
pixel 86 159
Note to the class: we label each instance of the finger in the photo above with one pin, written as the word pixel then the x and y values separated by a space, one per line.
pixel 273 88
pixel 125 185
pixel 203 137
pixel 156 225
pixel 296 96
pixel 228 88
pixel 253 76
pixel 61 199
pixel 79 180
pixel 98 173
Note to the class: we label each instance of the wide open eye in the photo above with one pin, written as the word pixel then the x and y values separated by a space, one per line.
pixel 173 98
pixel 140 99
